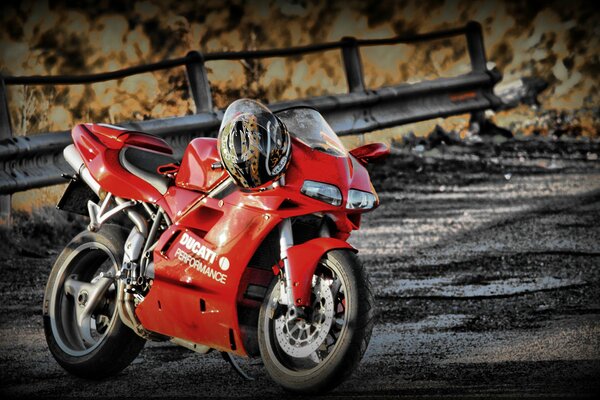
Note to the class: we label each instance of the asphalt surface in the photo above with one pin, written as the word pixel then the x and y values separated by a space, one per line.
pixel 487 282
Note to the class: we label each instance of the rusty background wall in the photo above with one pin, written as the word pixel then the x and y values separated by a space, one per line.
pixel 556 41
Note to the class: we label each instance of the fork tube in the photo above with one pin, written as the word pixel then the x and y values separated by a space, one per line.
pixel 286 240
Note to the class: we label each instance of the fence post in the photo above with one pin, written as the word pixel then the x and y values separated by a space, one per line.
pixel 198 82
pixel 352 65
pixel 5 136
pixel 476 47
pixel 476 50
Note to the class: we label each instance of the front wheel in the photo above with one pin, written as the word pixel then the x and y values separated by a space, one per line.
pixel 82 325
pixel 315 353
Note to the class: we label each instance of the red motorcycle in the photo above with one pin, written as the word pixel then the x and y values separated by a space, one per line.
pixel 240 247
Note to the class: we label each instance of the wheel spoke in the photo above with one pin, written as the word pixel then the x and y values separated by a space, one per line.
pixel 335 287
pixel 101 321
pixel 304 335
pixel 314 357
pixel 86 298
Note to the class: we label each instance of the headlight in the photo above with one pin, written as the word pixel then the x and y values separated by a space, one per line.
pixel 322 191
pixel 360 200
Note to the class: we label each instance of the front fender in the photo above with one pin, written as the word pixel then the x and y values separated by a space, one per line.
pixel 303 260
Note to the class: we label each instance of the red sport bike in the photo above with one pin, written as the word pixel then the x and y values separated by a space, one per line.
pixel 176 251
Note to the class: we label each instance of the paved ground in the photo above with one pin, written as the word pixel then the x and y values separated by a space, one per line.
pixel 487 282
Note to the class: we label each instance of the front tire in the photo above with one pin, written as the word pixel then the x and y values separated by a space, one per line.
pixel 81 322
pixel 317 354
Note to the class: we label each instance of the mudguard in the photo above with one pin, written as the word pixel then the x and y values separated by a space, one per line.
pixel 303 260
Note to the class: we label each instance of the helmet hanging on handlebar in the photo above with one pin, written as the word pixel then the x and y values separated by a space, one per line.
pixel 254 145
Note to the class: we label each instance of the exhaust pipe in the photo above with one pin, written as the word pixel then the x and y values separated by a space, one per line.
pixel 76 162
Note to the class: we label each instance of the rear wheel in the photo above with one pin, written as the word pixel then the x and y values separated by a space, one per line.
pixel 316 352
pixel 81 322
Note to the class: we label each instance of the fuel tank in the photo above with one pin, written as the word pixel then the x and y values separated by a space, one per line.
pixel 200 168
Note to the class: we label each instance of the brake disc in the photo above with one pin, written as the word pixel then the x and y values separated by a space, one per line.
pixel 300 338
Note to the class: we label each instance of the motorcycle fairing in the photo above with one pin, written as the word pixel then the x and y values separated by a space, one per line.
pixel 116 138
pixel 187 302
pixel 186 299
pixel 307 164
pixel 100 148
pixel 198 169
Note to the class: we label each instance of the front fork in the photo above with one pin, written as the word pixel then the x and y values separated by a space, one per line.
pixel 286 240
pixel 300 262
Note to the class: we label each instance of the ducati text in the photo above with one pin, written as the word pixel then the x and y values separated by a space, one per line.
pixel 198 248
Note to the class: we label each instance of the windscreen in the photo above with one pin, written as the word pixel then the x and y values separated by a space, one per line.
pixel 309 126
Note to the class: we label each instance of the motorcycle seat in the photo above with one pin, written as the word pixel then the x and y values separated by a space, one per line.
pixel 144 163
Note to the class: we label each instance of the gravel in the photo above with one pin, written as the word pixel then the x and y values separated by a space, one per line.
pixel 486 277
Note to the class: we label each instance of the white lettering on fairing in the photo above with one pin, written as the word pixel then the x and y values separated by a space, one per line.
pixel 198 248
pixel 199 266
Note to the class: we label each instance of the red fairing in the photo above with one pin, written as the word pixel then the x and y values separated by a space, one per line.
pixel 201 261
pixel 177 201
pixel 371 153
pixel 99 147
pixel 308 164
pixel 232 228
pixel 198 170
pixel 115 138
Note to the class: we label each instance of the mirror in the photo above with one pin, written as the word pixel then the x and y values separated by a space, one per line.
pixel 371 153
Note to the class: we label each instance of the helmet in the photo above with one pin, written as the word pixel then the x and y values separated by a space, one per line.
pixel 254 145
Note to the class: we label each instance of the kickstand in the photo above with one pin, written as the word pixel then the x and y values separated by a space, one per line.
pixel 229 358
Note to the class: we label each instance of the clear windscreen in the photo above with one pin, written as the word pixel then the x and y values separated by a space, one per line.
pixel 309 126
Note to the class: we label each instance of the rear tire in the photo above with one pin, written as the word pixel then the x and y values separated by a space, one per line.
pixel 315 357
pixel 104 345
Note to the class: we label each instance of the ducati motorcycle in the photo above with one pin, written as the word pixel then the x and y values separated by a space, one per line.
pixel 176 251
